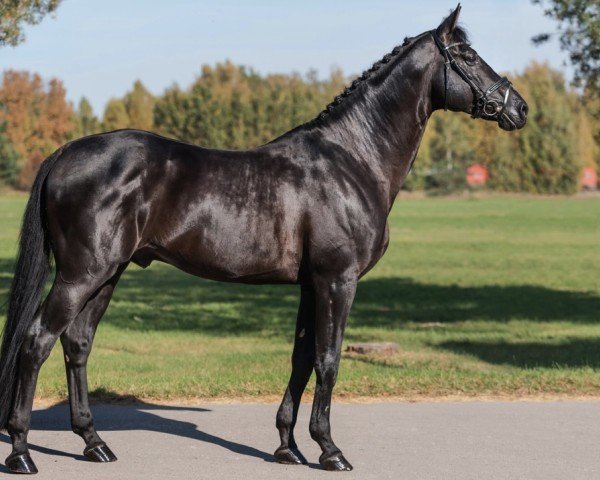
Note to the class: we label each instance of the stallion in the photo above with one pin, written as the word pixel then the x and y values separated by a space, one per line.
pixel 309 208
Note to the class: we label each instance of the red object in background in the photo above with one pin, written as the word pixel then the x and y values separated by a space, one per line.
pixel 589 178
pixel 477 175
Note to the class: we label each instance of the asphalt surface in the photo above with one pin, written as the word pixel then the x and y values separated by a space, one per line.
pixel 471 440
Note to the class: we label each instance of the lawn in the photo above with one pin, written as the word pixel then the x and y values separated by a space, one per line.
pixel 494 296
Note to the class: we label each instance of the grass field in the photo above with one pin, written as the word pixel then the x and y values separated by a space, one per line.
pixel 495 296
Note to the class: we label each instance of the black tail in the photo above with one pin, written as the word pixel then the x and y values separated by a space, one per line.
pixel 31 271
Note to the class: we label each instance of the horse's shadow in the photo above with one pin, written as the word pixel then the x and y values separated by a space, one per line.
pixel 137 416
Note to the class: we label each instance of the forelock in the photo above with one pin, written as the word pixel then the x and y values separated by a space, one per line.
pixel 461 35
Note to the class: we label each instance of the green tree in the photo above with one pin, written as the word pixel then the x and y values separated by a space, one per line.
pixel 579 24
pixel 171 113
pixel 139 104
pixel 544 156
pixel 579 29
pixel 115 115
pixel 14 14
pixel 87 123
pixel 9 160
pixel 231 106
pixel 451 151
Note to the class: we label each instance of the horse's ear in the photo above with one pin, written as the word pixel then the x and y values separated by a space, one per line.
pixel 449 24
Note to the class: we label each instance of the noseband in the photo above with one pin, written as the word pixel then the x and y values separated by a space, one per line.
pixel 482 106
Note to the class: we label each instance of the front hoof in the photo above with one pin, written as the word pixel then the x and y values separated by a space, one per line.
pixel 21 464
pixel 100 453
pixel 335 462
pixel 289 456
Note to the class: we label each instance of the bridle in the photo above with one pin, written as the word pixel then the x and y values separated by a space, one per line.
pixel 482 106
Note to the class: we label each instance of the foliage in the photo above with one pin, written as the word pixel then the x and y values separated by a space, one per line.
pixel 579 24
pixel 543 157
pixel 37 117
pixel 9 160
pixel 87 123
pixel 230 106
pixel 451 152
pixel 115 115
pixel 134 110
pixel 139 105
pixel 580 35
pixel 234 107
pixel 14 14
pixel 587 145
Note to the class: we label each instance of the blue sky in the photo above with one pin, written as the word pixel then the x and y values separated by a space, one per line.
pixel 98 48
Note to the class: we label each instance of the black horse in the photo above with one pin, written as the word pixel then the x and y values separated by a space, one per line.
pixel 309 208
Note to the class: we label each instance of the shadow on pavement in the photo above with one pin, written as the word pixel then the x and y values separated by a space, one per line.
pixel 130 416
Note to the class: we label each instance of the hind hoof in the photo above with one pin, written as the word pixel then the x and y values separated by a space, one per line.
pixel 335 462
pixel 289 456
pixel 21 464
pixel 100 453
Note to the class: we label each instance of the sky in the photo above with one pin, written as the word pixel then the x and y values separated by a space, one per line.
pixel 99 48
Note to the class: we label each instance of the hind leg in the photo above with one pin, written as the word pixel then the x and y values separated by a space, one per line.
pixel 77 344
pixel 64 302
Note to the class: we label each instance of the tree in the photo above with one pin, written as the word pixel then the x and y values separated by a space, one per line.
pixel 115 115
pixel 9 160
pixel 579 25
pixel 37 116
pixel 171 113
pixel 139 104
pixel 56 121
pixel 87 123
pixel 14 14
pixel 451 151
pixel 543 157
pixel 230 106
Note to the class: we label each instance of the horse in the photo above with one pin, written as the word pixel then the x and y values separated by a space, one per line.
pixel 309 208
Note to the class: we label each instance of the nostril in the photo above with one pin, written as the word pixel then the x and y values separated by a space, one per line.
pixel 524 110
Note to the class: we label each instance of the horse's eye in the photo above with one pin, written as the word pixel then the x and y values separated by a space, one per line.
pixel 470 58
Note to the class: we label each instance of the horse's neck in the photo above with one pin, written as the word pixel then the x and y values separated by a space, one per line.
pixel 383 125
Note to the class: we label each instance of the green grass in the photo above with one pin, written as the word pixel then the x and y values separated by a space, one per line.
pixel 491 296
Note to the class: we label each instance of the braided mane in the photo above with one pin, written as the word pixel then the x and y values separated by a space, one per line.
pixel 365 75
pixel 460 34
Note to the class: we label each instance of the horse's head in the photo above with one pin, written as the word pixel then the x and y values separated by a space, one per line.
pixel 466 83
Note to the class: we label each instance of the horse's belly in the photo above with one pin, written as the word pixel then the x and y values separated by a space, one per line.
pixel 233 258
pixel 238 270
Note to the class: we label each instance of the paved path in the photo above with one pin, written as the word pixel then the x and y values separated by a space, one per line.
pixel 400 441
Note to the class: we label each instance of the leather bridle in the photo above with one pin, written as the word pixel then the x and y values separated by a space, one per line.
pixel 482 105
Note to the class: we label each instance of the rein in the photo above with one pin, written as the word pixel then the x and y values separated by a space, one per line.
pixel 482 106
